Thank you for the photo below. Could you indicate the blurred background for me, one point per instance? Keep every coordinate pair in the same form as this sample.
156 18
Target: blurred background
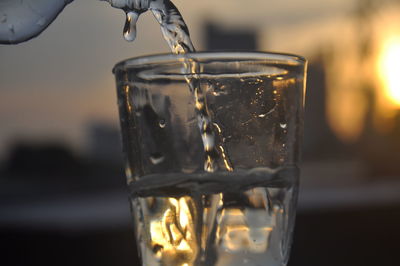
63 199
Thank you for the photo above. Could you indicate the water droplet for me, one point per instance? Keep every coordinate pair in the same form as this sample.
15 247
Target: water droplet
249 140
209 87
162 123
130 26
283 125
253 81
220 91
156 158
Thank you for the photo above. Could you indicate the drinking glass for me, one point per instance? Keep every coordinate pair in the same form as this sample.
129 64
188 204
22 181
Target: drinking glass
212 144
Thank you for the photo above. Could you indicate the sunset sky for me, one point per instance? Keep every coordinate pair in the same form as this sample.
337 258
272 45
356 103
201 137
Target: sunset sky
51 86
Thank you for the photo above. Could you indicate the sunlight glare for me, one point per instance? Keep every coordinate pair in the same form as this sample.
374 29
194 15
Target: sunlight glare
389 69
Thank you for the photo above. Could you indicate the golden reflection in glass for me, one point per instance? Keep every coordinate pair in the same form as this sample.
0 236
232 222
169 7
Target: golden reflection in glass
225 159
172 236
128 102
389 70
247 229
219 229
236 235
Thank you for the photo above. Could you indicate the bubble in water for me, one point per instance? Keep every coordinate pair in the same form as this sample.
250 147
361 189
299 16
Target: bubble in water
162 123
130 26
254 81
249 140
221 90
156 158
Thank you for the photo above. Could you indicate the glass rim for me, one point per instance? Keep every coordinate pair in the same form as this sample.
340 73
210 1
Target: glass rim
271 57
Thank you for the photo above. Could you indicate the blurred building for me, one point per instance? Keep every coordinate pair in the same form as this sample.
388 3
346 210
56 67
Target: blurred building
319 140
39 161
103 141
218 38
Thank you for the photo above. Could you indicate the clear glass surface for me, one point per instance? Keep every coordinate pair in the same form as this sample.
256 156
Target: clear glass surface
212 145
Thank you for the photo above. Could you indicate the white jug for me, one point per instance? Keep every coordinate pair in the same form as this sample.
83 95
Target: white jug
22 20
